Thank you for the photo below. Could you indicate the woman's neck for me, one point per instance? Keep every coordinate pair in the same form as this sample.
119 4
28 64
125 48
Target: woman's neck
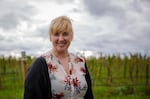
60 54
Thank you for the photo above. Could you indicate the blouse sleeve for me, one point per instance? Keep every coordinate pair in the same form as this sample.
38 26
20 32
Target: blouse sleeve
37 83
89 93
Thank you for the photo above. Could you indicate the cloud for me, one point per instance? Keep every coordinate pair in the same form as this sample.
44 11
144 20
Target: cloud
99 25
57 1
13 12
62 1
29 44
104 8
124 24
125 13
112 43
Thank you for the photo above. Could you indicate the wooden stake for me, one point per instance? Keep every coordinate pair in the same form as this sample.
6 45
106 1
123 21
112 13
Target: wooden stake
24 64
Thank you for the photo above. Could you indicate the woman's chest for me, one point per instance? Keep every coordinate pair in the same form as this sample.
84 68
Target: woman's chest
73 84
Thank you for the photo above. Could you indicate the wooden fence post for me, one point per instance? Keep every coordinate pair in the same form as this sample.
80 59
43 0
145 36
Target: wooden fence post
24 64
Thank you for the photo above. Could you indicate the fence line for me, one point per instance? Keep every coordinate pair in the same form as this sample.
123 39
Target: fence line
104 71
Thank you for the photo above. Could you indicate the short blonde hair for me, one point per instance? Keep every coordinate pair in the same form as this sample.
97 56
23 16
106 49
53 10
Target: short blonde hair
61 24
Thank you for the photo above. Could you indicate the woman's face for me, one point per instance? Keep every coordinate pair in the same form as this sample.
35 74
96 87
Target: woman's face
61 41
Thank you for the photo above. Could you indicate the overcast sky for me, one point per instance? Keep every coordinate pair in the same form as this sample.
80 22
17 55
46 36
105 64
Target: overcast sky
108 26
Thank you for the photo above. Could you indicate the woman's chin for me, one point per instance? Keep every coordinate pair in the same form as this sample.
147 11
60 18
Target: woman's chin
61 49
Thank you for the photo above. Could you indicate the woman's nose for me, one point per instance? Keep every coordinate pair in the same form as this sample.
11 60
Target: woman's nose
61 37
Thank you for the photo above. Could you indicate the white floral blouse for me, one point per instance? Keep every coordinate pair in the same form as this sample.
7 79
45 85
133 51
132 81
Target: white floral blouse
63 86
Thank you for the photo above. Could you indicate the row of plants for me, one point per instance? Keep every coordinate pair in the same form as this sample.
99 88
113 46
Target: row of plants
112 76
115 76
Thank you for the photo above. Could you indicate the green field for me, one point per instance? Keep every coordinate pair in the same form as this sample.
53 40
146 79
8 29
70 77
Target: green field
113 77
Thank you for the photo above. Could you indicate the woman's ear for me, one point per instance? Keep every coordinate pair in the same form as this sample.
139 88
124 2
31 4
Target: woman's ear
71 36
50 38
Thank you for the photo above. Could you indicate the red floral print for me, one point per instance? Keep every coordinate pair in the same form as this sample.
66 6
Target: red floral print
76 82
58 96
51 67
77 59
83 70
62 84
67 81
70 71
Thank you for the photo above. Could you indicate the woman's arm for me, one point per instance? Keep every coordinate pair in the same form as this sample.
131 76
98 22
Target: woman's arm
37 82
89 93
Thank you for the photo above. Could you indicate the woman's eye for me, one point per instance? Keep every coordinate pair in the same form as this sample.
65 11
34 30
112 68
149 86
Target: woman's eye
56 34
65 33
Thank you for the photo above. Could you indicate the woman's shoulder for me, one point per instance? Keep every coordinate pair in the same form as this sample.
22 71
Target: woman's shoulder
38 61
46 54
77 58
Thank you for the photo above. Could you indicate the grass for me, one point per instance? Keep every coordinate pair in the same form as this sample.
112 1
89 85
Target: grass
12 87
100 92
121 86
16 93
105 92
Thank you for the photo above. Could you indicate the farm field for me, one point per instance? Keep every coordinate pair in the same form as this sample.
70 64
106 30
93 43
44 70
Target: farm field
112 77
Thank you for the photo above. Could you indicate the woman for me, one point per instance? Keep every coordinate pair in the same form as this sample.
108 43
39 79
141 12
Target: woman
58 74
